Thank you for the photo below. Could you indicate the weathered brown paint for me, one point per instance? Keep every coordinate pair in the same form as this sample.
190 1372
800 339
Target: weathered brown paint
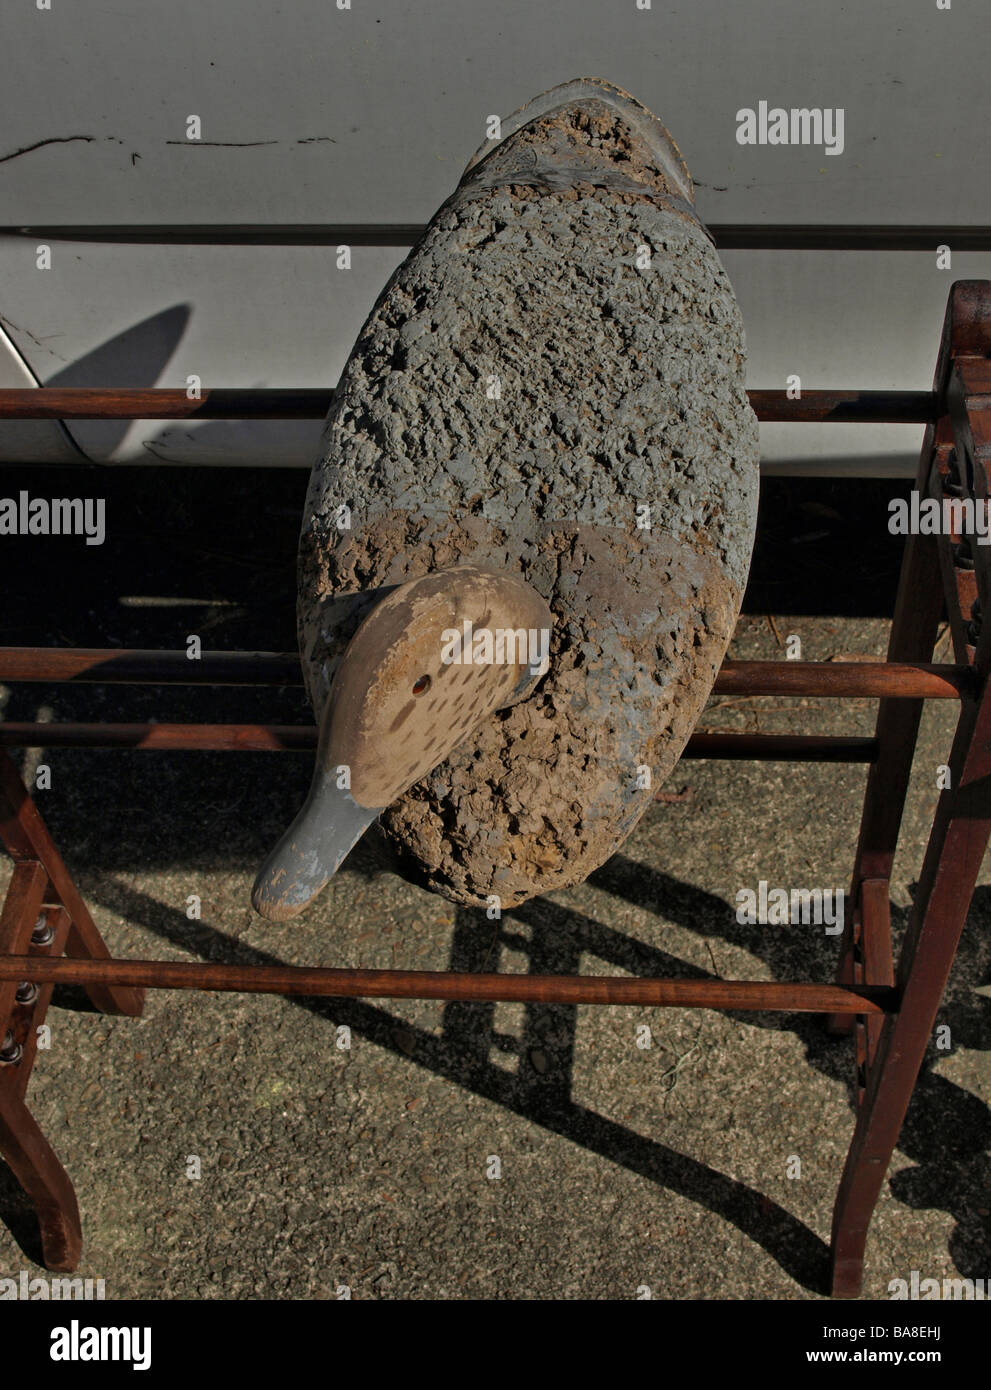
446 984
822 679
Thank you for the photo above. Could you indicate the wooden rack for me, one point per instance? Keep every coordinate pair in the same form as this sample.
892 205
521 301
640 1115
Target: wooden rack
47 936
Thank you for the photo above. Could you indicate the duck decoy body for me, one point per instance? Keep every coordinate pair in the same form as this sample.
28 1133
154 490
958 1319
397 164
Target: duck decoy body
544 420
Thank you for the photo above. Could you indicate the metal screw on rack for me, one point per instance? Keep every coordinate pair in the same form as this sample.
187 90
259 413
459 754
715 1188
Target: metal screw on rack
11 1052
44 932
962 555
974 626
27 992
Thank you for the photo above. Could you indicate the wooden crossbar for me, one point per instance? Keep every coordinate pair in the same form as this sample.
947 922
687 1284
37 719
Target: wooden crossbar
301 403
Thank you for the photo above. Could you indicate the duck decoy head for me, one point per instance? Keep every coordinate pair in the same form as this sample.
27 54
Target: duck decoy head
431 662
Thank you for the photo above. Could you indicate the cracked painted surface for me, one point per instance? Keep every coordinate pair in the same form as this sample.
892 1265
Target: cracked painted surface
50 140
521 388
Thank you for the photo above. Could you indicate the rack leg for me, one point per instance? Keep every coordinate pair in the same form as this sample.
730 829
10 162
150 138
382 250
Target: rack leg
22 1144
42 894
889 1057
35 1166
959 837
914 627
918 607
26 837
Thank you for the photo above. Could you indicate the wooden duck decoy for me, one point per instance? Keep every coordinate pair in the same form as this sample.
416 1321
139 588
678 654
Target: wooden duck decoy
543 425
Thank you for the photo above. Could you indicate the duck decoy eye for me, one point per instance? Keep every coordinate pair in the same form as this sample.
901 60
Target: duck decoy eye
376 741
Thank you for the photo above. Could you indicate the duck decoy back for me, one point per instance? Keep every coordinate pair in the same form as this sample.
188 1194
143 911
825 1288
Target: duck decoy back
549 391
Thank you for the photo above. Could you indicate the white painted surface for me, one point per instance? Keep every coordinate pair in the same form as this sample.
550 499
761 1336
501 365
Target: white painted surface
369 114
285 316
394 95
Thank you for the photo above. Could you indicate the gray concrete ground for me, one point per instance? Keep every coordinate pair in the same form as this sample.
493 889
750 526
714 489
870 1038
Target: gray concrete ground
370 1166
620 1166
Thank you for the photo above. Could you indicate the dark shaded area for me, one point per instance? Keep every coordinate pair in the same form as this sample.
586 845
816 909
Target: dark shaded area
224 539
225 534
228 536
823 548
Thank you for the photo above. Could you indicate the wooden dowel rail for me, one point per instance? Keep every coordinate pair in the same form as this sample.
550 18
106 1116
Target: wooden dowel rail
146 666
165 403
831 680
845 679
460 985
730 236
820 679
162 737
294 738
